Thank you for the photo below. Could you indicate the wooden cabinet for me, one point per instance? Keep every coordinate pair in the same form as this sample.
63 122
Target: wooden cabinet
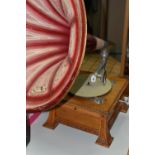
88 116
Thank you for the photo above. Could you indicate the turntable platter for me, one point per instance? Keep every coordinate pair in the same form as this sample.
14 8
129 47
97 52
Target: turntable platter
81 87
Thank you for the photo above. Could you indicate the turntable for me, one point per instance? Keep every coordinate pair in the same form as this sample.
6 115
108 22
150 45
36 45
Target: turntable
56 42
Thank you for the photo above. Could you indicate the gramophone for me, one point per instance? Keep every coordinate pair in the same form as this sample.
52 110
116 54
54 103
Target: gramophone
56 35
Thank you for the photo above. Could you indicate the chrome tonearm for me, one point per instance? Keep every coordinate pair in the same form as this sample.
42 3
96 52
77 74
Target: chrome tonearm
101 70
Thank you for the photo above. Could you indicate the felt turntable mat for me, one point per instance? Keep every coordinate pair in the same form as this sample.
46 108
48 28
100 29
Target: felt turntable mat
81 87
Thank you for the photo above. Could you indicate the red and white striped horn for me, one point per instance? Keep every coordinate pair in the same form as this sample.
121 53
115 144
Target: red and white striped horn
55 46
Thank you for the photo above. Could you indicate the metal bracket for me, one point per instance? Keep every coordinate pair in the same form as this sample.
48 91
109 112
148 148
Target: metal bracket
98 100
125 100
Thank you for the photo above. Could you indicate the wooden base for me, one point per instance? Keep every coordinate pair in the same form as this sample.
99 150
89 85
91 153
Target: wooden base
88 116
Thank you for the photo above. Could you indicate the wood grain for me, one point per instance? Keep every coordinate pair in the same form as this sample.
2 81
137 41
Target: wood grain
88 116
